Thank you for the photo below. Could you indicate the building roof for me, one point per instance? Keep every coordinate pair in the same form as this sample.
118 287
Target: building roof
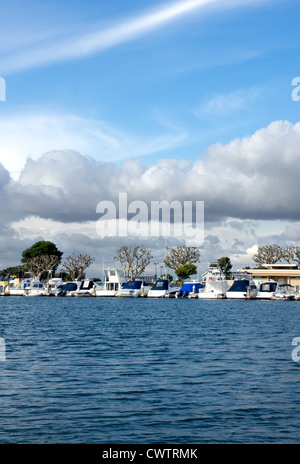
281 266
276 272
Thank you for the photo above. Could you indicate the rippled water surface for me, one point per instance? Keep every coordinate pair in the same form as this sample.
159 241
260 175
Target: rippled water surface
116 371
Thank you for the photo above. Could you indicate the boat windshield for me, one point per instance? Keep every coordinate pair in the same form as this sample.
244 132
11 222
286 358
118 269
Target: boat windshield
161 285
285 288
86 285
239 286
69 287
268 287
133 285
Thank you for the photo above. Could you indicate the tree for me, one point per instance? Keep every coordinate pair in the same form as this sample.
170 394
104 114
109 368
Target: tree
184 272
133 259
76 264
41 248
269 254
296 250
12 271
167 276
40 265
288 254
225 266
181 255
41 257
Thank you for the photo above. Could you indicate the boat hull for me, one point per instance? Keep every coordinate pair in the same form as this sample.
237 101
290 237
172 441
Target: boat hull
284 297
240 295
106 293
17 292
35 293
129 293
211 295
161 294
265 296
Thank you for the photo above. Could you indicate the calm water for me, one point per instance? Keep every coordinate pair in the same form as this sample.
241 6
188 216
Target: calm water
111 371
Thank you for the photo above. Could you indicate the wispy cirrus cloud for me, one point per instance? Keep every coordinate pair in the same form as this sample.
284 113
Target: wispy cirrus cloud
240 100
89 44
26 135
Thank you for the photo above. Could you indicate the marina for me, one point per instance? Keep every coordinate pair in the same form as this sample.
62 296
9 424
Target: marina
213 286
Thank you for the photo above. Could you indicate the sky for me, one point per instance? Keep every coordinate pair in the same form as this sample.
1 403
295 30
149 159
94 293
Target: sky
165 100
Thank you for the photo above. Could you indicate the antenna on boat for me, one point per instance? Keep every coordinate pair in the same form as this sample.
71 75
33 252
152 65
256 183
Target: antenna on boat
166 247
103 275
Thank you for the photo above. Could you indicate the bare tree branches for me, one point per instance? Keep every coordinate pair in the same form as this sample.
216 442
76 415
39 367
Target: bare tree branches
43 263
133 260
181 255
297 254
76 264
271 254
288 254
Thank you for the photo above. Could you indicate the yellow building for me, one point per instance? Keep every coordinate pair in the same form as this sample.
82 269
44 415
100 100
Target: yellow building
282 273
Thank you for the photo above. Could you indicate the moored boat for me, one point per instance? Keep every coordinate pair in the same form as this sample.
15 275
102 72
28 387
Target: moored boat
163 288
4 287
69 288
54 286
267 290
134 289
36 288
285 292
20 288
190 289
113 281
243 287
216 284
28 287
87 288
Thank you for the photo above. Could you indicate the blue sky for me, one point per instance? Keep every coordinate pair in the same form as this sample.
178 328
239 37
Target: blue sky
148 80
176 79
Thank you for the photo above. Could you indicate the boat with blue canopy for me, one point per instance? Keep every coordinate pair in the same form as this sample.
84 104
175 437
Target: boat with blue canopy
189 290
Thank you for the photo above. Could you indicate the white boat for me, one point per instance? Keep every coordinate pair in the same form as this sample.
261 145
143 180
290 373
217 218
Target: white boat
134 289
190 289
163 288
20 288
69 288
243 287
285 292
28 285
267 290
87 288
54 286
216 284
36 288
4 287
113 281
